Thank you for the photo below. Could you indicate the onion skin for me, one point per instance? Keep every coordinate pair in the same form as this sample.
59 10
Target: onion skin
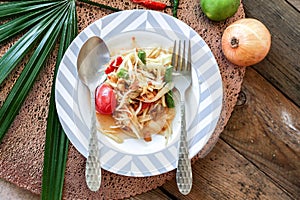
246 42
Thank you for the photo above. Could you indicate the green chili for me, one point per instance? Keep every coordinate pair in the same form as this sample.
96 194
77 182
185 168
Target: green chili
142 56
169 96
168 73
169 99
100 5
175 7
122 73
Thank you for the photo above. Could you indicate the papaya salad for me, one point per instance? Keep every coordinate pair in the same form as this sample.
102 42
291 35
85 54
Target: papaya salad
136 99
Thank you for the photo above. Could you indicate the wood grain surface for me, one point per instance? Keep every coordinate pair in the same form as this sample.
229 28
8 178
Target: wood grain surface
258 154
282 65
265 130
295 3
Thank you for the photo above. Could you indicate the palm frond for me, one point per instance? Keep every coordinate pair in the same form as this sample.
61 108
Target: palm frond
45 22
18 93
56 147
25 21
19 50
9 9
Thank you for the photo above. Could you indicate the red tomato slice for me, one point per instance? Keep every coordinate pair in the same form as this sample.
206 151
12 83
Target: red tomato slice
105 99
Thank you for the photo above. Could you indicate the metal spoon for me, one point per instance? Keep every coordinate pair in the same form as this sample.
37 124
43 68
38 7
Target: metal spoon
93 54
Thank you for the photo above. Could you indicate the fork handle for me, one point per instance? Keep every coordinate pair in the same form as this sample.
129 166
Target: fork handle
184 176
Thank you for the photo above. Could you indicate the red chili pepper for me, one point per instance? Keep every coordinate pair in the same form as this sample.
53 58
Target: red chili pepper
114 65
154 5
117 61
109 69
145 105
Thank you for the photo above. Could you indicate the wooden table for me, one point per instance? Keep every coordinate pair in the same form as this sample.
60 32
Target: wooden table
258 153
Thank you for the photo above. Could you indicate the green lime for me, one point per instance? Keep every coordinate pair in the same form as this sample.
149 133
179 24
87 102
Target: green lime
218 10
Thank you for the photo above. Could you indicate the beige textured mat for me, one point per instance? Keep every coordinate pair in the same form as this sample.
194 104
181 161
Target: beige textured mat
21 150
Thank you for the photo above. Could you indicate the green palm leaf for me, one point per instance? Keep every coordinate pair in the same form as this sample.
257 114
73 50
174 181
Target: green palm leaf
10 9
18 51
56 147
45 23
25 81
23 22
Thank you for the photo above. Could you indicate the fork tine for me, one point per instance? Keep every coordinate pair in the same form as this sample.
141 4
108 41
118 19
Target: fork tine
183 60
174 56
179 57
189 60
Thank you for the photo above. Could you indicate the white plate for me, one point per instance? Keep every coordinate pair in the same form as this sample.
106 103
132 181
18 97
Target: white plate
204 100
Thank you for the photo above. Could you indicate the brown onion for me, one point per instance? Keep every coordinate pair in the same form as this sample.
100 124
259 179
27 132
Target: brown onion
246 42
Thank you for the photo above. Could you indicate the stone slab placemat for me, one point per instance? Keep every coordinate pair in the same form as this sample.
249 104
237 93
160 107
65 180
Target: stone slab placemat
22 148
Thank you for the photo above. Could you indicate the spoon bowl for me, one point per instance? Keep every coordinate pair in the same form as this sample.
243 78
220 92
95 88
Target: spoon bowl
92 56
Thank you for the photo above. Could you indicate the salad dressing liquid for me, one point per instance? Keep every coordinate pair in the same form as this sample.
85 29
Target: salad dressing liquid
106 122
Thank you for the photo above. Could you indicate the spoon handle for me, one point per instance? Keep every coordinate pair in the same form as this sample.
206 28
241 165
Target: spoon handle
93 168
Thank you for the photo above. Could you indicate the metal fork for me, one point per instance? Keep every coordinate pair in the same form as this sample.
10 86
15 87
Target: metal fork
182 79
